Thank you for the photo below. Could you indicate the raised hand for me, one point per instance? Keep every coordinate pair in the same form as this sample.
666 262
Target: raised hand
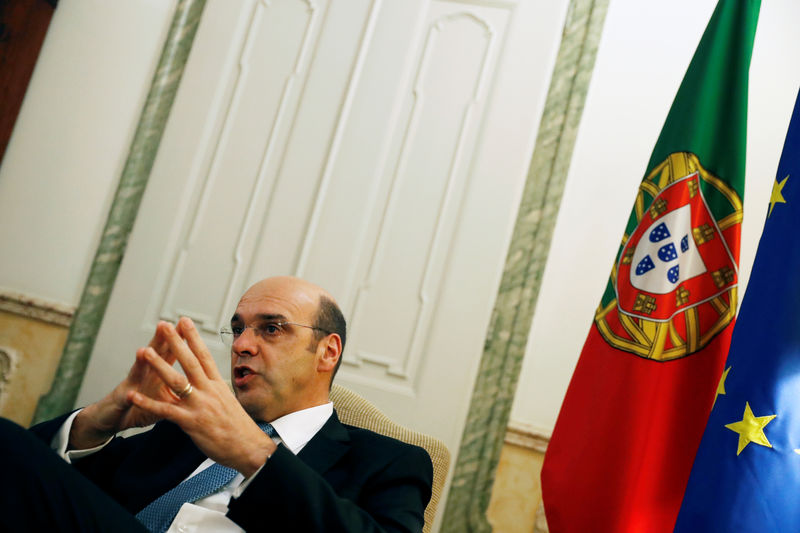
210 413
99 421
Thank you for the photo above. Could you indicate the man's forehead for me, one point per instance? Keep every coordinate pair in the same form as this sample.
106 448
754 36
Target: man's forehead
288 298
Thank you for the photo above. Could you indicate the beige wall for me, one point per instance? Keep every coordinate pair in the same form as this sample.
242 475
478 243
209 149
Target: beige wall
34 348
516 502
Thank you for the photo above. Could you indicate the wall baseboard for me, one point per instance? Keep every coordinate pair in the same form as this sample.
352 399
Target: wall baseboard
37 308
526 436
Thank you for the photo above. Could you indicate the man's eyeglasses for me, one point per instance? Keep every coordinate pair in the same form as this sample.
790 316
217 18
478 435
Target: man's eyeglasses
268 331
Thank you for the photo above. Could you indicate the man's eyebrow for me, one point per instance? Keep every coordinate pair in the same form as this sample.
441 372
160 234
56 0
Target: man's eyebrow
268 316
264 317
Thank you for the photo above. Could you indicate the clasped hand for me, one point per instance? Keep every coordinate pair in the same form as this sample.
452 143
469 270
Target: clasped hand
210 414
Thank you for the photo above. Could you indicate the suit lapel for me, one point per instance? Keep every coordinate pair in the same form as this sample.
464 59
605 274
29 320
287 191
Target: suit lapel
327 446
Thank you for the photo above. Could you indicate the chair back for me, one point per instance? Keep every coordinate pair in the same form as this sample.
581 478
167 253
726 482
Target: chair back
355 410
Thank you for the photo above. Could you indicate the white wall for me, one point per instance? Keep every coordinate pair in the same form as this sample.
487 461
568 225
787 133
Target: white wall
71 139
645 49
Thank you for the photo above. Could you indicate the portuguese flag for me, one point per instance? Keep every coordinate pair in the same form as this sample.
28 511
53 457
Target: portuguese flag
634 413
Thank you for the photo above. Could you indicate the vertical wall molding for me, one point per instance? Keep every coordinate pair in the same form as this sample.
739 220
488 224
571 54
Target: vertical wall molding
124 207
510 324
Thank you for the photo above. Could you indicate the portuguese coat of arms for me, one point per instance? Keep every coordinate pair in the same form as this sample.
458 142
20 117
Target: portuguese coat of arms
674 285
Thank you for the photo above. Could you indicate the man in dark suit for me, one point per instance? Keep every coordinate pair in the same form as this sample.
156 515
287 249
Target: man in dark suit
304 472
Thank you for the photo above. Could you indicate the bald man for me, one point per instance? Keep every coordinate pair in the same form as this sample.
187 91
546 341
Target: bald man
275 447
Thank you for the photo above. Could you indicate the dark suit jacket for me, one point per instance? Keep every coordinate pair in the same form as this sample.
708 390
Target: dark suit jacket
344 479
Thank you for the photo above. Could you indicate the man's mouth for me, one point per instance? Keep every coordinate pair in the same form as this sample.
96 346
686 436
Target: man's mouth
241 375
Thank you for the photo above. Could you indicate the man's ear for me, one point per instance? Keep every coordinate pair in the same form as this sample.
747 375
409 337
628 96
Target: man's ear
330 350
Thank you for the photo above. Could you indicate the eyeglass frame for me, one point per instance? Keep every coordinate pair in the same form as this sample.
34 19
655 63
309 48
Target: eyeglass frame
228 330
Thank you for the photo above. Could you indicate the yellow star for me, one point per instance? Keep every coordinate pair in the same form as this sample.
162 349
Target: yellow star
751 429
721 385
777 195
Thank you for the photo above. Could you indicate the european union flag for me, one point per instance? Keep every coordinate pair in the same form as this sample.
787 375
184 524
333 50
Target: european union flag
746 475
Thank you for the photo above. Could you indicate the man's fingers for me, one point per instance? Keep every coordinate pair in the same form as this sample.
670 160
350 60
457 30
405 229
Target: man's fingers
187 330
154 407
160 345
186 357
171 377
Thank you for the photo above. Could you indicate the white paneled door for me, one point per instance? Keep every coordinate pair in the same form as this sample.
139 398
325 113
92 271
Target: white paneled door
375 147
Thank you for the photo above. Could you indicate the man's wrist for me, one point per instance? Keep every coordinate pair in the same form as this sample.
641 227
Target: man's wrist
258 458
84 433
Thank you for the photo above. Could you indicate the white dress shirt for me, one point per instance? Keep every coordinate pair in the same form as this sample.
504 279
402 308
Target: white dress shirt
208 514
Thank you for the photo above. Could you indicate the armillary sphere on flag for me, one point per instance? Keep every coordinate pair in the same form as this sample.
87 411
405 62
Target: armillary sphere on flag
674 285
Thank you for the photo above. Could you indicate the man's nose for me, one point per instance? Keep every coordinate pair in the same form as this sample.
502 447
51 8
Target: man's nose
246 343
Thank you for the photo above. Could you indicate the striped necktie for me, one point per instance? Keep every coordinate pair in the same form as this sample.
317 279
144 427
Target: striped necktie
158 516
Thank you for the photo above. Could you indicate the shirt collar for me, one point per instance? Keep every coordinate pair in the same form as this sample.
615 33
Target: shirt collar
296 429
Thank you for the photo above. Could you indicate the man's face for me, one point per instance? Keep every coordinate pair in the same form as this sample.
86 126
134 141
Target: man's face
274 366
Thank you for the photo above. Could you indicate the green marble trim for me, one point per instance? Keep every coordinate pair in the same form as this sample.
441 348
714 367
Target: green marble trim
507 336
103 273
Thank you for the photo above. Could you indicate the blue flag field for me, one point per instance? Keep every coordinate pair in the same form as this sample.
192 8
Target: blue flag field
746 475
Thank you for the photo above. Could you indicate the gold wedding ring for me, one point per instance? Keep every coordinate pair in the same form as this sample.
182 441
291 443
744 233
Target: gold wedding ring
187 390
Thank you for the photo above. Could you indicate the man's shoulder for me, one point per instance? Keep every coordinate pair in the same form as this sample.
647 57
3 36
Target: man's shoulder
359 433
390 456
369 442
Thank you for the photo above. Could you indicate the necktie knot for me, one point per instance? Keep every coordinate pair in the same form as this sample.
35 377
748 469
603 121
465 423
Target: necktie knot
267 428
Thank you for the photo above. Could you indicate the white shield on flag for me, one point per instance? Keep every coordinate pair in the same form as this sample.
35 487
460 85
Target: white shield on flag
667 254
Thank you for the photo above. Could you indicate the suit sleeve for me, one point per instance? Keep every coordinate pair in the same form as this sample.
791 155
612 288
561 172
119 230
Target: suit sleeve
47 430
288 495
99 467
135 470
